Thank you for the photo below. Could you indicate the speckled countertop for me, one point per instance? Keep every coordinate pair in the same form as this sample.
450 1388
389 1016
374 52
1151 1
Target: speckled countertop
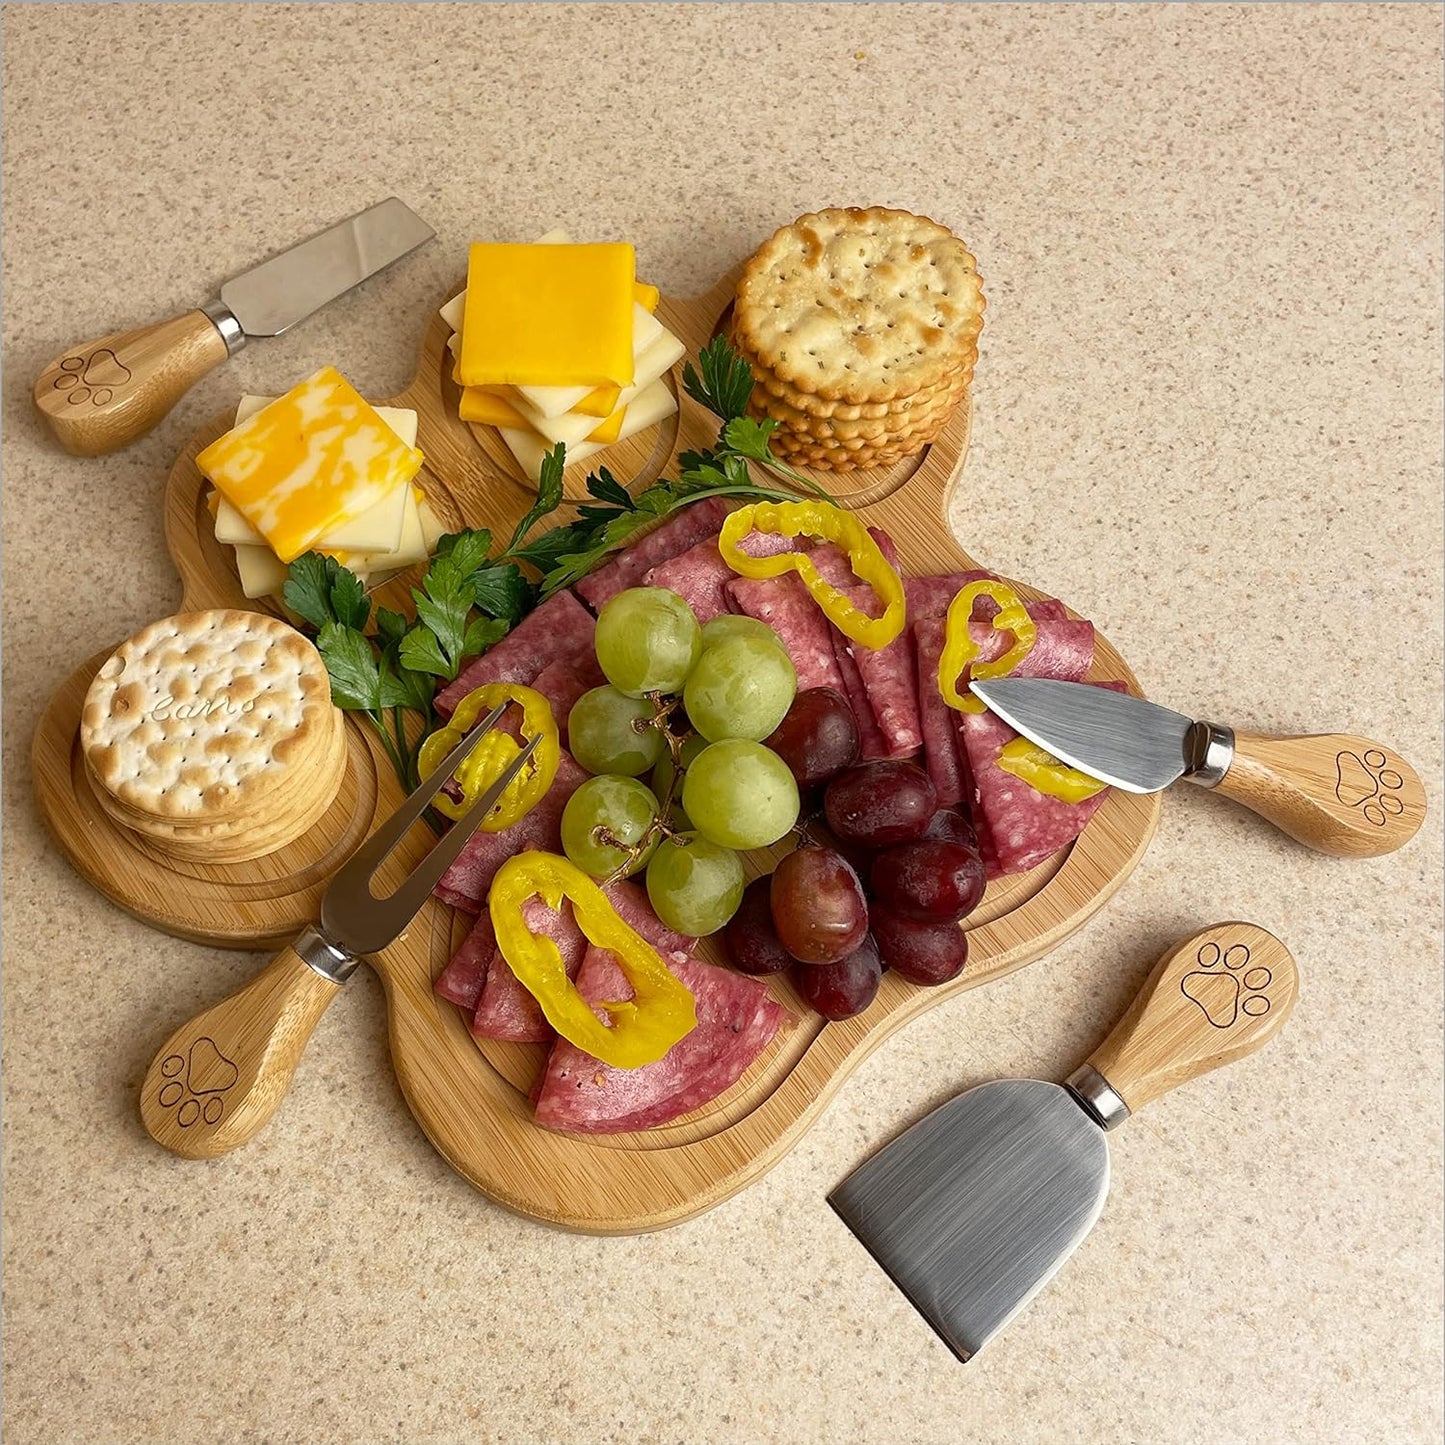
1208 414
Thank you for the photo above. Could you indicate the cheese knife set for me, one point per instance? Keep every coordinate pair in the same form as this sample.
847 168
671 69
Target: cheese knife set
972 1209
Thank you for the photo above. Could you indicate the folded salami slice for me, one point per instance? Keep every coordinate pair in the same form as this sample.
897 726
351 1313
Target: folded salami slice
673 537
560 630
935 717
562 684
930 596
889 676
786 606
736 1020
462 980
1024 826
871 742
506 1010
464 885
1062 649
699 576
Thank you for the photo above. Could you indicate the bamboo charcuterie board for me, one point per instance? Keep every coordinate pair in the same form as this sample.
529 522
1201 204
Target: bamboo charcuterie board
471 1098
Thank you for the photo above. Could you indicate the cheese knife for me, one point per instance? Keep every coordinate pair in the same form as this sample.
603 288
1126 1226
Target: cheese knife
1334 792
973 1209
104 394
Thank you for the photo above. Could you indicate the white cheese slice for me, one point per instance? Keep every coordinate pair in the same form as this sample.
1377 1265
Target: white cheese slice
263 573
233 529
651 405
660 357
410 548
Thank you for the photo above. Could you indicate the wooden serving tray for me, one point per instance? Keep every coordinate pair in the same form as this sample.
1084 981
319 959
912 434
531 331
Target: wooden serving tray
471 1098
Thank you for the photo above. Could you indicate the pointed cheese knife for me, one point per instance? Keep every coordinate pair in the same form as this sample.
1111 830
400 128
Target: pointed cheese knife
102 395
1334 792
973 1209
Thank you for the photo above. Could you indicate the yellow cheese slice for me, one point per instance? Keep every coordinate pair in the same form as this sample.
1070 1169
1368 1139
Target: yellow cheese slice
314 458
548 315
554 401
603 401
481 403
652 404
646 296
609 430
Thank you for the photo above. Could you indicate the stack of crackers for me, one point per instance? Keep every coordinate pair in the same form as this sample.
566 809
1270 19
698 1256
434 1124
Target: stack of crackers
861 327
213 736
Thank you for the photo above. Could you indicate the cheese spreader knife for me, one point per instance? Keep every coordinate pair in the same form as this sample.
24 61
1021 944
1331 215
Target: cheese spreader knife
102 395
973 1209
1334 792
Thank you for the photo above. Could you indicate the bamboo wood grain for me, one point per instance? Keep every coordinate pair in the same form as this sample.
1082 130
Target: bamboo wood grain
1212 999
470 1098
103 394
1335 792
216 1082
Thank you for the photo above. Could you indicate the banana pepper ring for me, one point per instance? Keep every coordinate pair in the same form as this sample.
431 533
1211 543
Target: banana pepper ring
643 1028
844 530
959 648
489 759
1044 773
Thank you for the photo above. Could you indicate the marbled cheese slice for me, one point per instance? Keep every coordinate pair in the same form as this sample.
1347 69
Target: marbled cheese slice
311 460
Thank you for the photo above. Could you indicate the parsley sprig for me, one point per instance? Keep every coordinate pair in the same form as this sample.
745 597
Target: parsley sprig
467 600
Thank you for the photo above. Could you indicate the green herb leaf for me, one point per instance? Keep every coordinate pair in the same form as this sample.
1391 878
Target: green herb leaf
308 588
726 383
749 436
481 633
502 591
401 687
606 488
421 652
467 549
355 678
390 627
549 495
447 620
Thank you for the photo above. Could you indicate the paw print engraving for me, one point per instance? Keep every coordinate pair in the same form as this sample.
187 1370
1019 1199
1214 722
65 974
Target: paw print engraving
91 378
1367 783
1225 986
194 1084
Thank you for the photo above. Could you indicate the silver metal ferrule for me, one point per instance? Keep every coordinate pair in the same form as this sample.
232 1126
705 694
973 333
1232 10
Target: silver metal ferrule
317 951
225 322
1211 750
1097 1097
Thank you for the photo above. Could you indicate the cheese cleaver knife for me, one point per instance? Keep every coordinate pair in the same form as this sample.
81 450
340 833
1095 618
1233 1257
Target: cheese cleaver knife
973 1209
102 395
1334 792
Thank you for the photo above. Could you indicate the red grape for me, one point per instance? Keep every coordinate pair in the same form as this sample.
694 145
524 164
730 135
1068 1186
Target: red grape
879 804
818 738
840 990
752 942
818 906
925 953
950 826
929 881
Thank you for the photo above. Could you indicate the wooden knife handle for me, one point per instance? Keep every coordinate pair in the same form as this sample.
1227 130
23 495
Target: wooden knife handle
102 395
218 1079
1215 998
1334 792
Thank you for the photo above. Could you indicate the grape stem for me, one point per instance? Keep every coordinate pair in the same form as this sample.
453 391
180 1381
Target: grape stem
663 708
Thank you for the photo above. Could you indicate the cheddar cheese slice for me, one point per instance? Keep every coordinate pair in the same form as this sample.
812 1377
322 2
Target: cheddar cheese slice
312 459
548 315
651 405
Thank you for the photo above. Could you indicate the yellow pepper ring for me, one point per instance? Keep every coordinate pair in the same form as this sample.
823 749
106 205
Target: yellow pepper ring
959 648
1045 773
489 759
844 530
662 1009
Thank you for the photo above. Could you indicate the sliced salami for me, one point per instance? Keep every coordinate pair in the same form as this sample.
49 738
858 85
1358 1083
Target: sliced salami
930 596
1024 826
889 676
462 980
560 630
1064 650
699 576
871 742
736 1020
671 539
786 606
940 746
507 1010
562 684
464 885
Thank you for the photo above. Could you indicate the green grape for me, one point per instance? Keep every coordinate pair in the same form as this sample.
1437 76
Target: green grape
694 885
647 640
740 794
732 625
601 735
662 773
742 687
624 806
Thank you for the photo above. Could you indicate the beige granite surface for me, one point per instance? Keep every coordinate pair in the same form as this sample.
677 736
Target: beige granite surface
1208 413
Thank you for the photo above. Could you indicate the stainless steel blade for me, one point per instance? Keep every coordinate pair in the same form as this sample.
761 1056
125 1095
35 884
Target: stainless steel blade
973 1209
286 289
1135 745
